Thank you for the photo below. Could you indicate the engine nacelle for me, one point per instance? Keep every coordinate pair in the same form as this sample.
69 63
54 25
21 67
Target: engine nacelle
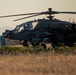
62 26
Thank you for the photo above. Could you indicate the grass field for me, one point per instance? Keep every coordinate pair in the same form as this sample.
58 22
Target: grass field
18 60
40 64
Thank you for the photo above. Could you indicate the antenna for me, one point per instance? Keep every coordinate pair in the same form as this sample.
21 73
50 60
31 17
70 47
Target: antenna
73 21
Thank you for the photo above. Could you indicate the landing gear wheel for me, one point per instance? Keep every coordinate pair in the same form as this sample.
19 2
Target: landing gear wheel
25 43
43 45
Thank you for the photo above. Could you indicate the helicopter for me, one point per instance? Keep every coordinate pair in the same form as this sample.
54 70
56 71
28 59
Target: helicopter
49 30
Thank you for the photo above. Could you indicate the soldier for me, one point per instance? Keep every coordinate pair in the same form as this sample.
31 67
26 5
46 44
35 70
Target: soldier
3 39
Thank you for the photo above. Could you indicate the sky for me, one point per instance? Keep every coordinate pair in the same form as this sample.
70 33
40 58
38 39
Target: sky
9 7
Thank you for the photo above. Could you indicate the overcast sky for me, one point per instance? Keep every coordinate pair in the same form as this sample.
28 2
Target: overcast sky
8 7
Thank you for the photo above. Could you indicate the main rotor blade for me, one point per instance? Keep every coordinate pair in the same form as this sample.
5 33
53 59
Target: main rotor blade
27 17
65 12
18 15
49 12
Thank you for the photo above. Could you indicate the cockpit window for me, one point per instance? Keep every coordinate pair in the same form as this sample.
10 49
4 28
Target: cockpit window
21 28
30 25
34 25
18 29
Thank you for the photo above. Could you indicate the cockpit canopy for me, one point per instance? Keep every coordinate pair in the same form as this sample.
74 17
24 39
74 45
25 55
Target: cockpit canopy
25 26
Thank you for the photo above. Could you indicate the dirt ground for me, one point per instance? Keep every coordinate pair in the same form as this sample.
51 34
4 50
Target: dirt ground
40 64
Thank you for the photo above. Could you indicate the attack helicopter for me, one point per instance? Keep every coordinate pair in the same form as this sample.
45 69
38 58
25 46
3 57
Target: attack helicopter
48 30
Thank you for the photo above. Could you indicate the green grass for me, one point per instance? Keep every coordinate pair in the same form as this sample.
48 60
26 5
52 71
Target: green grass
37 49
20 50
65 50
